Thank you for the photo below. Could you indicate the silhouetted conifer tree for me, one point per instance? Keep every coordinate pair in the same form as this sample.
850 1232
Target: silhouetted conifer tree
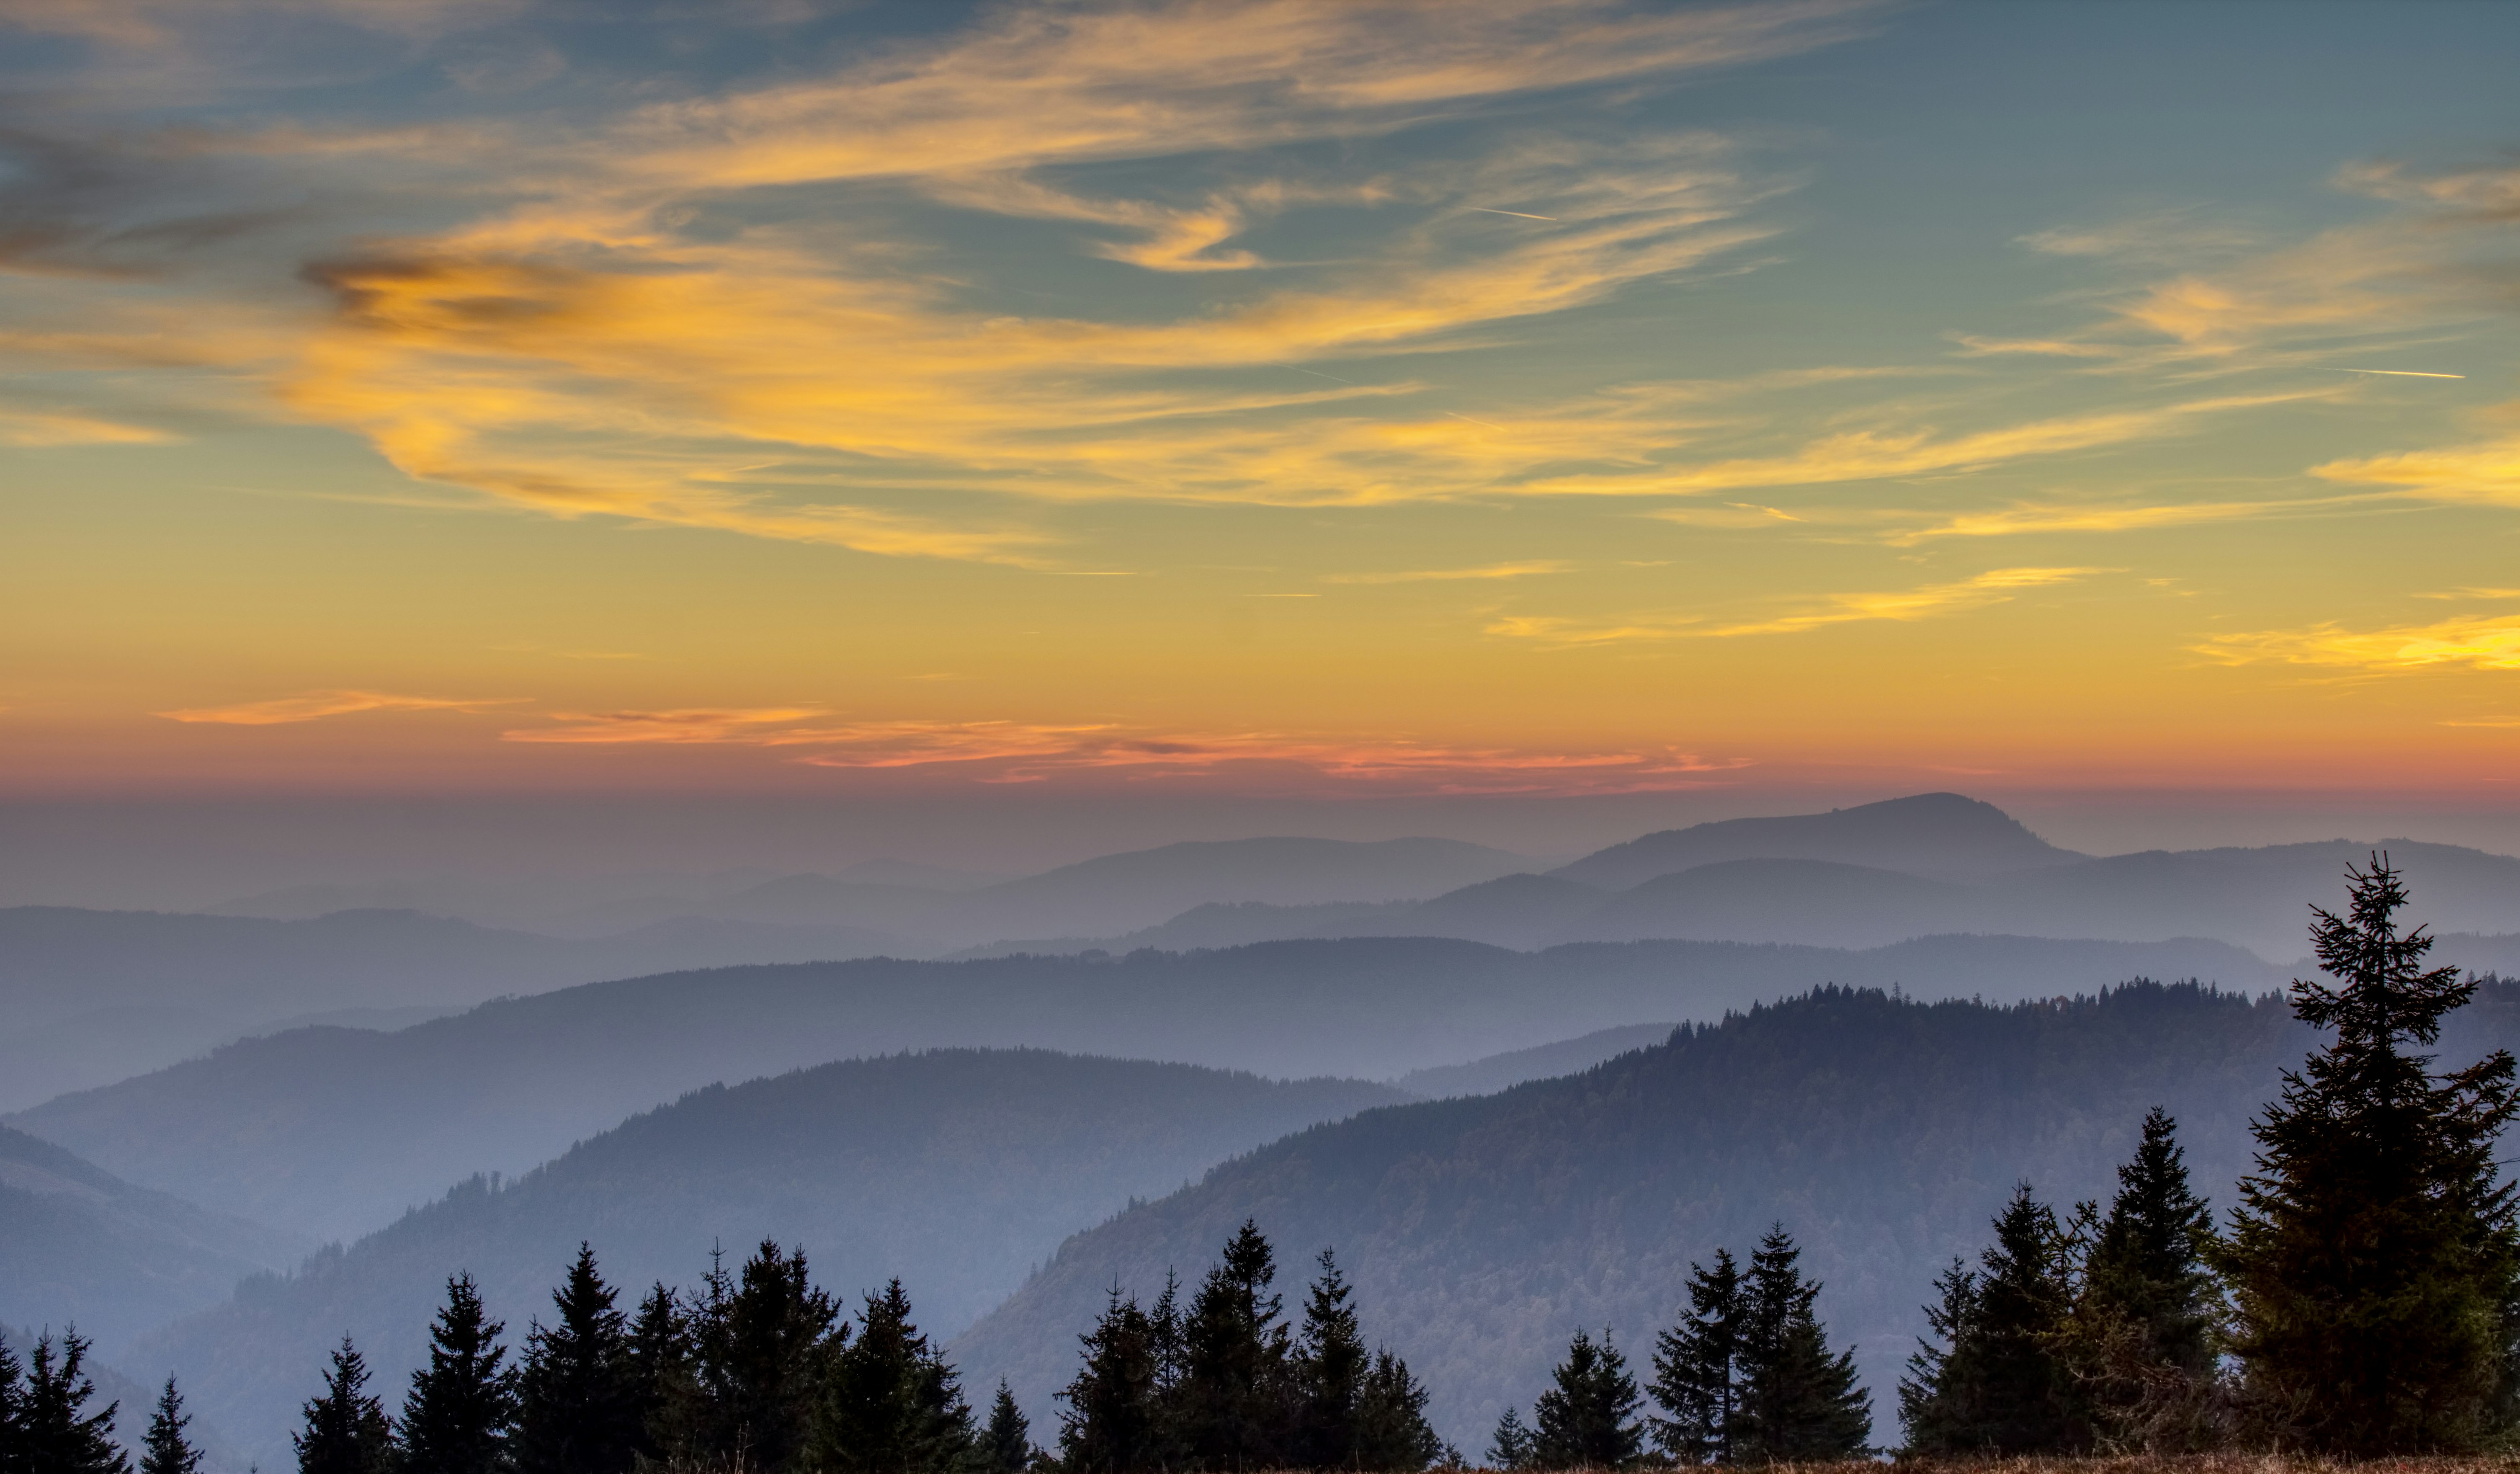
579 1404
1005 1446
1586 1418
1234 1396
462 1408
2374 1261
1998 1385
54 1433
1329 1366
1797 1403
1392 1434
664 1373
1511 1446
346 1430
1109 1423
1694 1368
2142 1335
757 1343
13 1395
890 1403
165 1450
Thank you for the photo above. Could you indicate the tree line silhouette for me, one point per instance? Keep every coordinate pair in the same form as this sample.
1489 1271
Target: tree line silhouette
2364 1299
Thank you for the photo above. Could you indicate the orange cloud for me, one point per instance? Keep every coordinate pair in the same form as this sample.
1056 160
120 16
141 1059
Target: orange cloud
1005 751
316 705
1997 586
2485 472
2477 642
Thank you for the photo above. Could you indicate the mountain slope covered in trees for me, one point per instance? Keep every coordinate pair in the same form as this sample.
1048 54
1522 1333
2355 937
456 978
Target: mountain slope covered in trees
955 1170
80 1246
1883 1133
335 1131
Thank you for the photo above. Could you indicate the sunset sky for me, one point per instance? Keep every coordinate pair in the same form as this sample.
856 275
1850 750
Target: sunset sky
1558 398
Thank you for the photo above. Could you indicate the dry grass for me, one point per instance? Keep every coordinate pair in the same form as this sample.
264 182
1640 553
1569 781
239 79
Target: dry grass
2189 1464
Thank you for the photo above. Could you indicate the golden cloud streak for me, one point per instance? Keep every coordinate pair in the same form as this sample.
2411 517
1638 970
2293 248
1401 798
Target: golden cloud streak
2477 642
2486 472
317 705
1533 569
33 430
1005 751
2022 520
1994 586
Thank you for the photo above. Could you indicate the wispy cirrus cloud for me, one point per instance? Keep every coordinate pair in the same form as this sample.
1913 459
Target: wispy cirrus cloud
1010 751
315 706
1926 602
1532 568
2480 471
620 330
2475 642
2028 518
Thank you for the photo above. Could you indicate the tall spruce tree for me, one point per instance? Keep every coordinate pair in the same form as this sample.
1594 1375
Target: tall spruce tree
346 1430
758 1341
579 1408
890 1402
1233 1397
664 1375
1511 1446
56 1433
1586 1418
1693 1366
1110 1424
1331 1366
13 1407
462 1408
1998 1384
2141 1339
165 1449
1392 1434
1797 1403
2374 1262
1005 1445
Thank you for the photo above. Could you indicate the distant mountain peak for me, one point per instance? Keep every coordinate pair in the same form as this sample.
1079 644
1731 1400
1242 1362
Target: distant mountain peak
1944 835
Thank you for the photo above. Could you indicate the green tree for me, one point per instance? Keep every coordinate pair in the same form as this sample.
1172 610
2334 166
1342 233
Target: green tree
1510 1447
1110 1422
462 1408
757 1342
1392 1434
1797 1403
346 1430
2373 1260
579 1404
1694 1366
1233 1395
1005 1445
664 1373
1586 1418
1330 1366
890 1402
2142 1334
1998 1384
165 1450
56 1433
13 1402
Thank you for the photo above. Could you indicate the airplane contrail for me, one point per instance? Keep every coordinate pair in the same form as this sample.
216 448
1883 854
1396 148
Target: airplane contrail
2398 372
1474 422
1318 373
1517 214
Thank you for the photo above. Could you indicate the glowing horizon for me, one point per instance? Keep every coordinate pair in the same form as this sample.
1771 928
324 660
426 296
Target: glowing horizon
1557 397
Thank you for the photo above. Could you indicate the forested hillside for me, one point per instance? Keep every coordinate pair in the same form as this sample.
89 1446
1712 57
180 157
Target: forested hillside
333 1132
1883 1133
956 1170
80 1246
